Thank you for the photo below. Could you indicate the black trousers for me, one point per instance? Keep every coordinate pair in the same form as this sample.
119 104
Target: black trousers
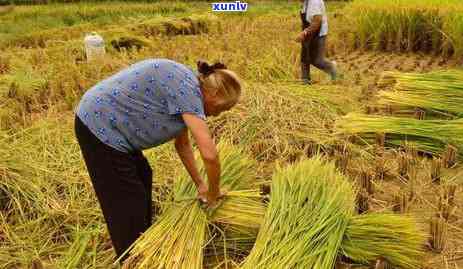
123 186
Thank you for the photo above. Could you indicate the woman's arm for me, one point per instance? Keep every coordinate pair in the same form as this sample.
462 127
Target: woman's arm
310 31
314 27
209 154
185 152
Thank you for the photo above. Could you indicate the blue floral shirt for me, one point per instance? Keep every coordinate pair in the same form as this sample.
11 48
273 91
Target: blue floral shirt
140 107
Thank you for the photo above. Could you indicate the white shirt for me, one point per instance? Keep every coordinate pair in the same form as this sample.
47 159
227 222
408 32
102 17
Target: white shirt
313 8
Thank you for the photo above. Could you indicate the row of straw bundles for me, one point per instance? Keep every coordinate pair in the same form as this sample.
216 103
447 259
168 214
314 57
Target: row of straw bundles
439 92
407 25
430 136
181 233
310 222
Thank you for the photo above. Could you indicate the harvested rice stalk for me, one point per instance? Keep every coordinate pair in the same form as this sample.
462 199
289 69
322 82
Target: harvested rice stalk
380 167
447 202
438 234
429 136
178 238
308 131
449 157
412 174
401 203
310 206
382 264
342 156
403 162
396 239
440 93
366 181
436 170
362 201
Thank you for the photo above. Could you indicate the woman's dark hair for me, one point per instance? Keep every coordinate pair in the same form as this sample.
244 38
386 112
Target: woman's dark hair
206 69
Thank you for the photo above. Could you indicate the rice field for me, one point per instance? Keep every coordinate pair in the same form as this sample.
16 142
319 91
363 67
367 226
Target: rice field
359 173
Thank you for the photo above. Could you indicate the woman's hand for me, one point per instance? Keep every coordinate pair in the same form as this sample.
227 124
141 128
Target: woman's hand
300 37
213 198
203 193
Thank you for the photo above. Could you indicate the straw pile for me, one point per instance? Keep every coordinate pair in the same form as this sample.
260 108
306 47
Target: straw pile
48 211
438 93
312 113
180 235
192 25
309 223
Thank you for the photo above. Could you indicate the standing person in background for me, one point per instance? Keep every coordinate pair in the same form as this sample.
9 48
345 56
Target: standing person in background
313 39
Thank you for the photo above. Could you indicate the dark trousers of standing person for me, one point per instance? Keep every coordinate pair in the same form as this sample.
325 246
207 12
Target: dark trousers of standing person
313 53
123 186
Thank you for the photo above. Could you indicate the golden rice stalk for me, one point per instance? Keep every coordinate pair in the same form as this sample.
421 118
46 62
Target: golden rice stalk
436 170
450 156
362 202
401 203
366 181
438 234
180 235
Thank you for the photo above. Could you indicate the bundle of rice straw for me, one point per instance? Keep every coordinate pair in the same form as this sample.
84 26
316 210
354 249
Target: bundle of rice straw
180 235
309 223
309 210
438 93
395 238
430 136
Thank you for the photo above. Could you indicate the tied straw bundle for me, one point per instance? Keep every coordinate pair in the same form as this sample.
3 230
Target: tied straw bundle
394 238
429 136
181 233
439 93
309 223
310 207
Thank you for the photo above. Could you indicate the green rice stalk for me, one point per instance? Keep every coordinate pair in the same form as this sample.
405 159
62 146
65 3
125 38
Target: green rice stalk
430 136
440 93
310 206
397 239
